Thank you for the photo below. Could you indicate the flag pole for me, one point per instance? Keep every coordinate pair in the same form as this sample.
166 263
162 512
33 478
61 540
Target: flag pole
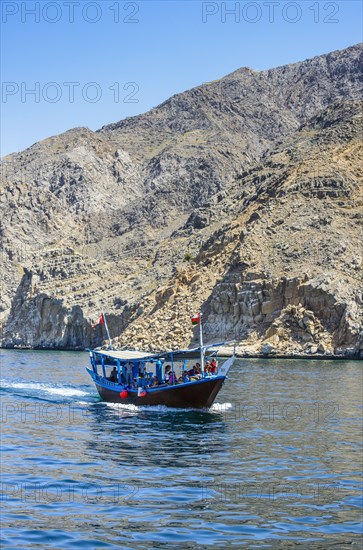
106 327
201 343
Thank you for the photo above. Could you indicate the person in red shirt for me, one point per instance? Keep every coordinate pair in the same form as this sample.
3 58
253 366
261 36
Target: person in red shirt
213 366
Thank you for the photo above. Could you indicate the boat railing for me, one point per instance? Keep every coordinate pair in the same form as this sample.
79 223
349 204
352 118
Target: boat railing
105 381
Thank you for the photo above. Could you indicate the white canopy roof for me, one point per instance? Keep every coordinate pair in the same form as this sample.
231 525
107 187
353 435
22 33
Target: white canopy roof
134 355
125 355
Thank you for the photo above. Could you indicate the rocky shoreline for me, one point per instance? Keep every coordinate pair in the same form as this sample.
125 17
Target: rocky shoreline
227 353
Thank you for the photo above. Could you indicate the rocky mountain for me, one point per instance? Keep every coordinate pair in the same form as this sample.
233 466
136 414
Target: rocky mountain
241 198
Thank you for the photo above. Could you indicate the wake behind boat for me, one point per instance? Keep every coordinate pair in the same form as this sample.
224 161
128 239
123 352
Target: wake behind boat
183 379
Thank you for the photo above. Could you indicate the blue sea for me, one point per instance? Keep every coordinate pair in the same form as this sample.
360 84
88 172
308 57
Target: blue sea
274 464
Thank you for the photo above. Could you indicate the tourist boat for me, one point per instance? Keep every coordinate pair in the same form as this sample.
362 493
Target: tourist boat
146 384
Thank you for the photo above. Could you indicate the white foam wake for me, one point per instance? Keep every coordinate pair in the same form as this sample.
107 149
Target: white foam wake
123 407
55 390
220 407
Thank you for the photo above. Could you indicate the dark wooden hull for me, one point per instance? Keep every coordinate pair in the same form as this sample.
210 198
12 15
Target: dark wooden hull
193 395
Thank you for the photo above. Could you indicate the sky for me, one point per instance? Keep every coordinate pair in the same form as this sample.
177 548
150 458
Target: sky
72 63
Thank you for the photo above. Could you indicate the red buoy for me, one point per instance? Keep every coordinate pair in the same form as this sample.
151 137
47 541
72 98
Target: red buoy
124 394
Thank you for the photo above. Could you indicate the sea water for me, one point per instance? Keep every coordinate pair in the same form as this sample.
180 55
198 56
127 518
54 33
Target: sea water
274 463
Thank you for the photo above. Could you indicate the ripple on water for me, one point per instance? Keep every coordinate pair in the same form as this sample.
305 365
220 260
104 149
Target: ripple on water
91 474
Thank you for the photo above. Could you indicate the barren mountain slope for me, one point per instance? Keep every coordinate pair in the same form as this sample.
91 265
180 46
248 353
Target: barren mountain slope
250 175
284 275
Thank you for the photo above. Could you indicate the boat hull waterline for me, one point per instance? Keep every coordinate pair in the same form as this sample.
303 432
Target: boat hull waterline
199 395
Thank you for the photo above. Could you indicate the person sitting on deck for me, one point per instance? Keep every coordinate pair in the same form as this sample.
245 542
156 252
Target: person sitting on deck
208 369
167 372
172 379
155 381
195 373
184 377
113 375
198 372
191 372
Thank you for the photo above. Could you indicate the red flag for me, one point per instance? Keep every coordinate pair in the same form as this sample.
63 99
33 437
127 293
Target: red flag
101 321
196 319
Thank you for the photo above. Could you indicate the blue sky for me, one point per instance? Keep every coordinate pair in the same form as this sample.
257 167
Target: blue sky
93 63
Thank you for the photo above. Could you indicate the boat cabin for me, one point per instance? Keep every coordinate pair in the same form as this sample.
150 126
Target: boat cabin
133 369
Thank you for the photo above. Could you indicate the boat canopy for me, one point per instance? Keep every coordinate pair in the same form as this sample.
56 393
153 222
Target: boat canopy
125 355
134 355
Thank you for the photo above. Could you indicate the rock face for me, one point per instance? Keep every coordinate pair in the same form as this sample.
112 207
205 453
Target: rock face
289 315
240 198
37 320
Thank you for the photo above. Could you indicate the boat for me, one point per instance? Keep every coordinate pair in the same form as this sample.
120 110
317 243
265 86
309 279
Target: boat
171 378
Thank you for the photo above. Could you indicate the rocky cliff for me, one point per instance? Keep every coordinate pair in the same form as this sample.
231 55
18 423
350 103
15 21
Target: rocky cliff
240 198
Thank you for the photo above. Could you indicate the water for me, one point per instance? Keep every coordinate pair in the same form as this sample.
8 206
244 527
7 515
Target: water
274 464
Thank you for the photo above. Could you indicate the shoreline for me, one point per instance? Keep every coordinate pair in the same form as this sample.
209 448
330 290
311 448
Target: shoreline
225 353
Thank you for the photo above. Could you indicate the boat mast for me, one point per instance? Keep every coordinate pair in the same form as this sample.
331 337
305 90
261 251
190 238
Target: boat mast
106 327
201 343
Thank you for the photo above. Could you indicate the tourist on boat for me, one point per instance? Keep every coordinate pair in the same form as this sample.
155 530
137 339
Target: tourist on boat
185 376
195 376
167 372
191 372
129 366
155 381
213 366
172 378
113 375
198 372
